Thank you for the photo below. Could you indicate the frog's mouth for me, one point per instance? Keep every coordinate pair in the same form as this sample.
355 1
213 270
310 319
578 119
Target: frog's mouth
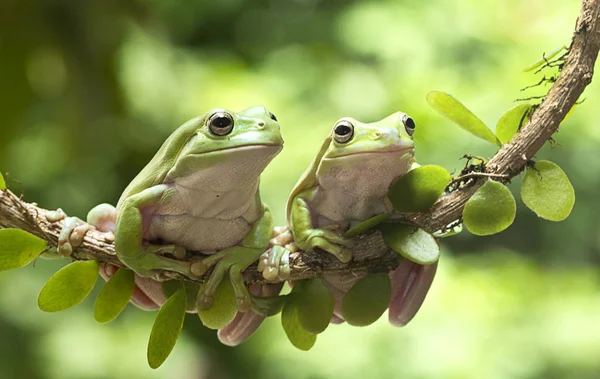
389 151
254 146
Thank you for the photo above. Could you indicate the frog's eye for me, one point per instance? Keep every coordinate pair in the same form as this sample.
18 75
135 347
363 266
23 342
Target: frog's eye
220 123
409 124
343 131
272 116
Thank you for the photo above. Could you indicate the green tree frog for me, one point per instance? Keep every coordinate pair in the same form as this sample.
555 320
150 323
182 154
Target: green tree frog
199 193
347 183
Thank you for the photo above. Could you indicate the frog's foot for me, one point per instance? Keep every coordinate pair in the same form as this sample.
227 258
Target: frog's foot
332 243
410 283
151 260
71 235
233 260
275 263
178 252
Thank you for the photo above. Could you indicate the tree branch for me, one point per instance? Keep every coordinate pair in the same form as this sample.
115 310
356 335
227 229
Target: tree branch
370 252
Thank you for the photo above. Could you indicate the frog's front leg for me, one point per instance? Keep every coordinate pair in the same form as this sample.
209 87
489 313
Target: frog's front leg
132 220
235 260
307 237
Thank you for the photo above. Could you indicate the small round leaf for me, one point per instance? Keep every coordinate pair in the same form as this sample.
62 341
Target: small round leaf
68 286
456 112
315 306
114 296
411 242
510 122
18 248
290 321
547 191
419 189
366 301
490 210
166 329
223 309
366 225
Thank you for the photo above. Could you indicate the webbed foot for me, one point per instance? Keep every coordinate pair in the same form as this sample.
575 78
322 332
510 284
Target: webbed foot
330 241
275 263
233 260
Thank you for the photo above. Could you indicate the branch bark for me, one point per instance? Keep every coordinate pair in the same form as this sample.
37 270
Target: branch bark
371 254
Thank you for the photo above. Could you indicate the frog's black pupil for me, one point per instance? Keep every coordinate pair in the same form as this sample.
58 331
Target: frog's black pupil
342 130
409 123
221 122
272 116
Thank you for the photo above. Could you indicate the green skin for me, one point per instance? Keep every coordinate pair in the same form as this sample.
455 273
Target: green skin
347 183
200 193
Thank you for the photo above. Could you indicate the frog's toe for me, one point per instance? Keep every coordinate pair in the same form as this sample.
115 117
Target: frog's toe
274 263
410 284
72 235
55 216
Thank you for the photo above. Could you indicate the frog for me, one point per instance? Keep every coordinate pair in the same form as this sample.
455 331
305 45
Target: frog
197 197
347 183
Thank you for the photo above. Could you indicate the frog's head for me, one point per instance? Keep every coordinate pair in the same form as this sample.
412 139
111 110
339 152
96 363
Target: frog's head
367 155
392 135
222 139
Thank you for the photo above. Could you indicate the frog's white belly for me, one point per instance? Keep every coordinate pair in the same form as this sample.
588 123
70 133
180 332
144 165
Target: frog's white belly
204 219
354 188
198 234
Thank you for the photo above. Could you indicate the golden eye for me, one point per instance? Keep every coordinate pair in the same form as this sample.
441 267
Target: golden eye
220 123
343 131
409 124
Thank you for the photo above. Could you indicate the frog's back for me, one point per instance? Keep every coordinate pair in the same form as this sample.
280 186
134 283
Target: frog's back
156 170
309 177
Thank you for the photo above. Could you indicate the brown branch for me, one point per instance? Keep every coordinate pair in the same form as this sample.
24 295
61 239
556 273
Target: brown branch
371 254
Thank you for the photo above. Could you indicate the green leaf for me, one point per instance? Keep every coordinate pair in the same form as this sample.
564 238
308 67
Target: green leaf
315 305
114 296
543 61
169 287
69 286
456 112
290 321
223 309
411 242
510 122
18 248
366 225
547 191
367 300
490 210
166 329
268 306
2 183
419 189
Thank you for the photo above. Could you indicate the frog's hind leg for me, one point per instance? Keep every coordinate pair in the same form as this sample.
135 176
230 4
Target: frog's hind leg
245 324
132 223
410 284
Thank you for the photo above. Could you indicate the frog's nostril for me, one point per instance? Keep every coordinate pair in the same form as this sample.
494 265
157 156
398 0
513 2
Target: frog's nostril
261 124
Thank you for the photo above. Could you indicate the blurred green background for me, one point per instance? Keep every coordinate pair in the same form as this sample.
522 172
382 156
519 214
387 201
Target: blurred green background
90 89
